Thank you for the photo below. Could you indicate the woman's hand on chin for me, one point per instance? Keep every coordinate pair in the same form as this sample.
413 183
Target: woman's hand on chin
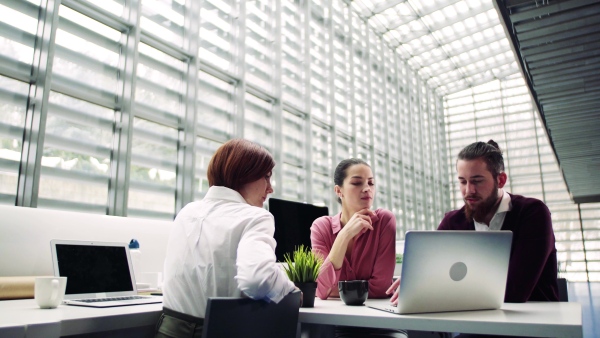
359 223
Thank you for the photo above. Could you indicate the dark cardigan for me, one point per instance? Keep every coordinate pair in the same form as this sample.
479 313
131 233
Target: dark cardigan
532 270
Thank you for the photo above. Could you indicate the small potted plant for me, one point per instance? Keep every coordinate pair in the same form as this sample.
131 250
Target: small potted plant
398 268
302 268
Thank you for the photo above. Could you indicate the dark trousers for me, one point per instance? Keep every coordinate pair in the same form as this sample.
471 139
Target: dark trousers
360 332
473 335
173 324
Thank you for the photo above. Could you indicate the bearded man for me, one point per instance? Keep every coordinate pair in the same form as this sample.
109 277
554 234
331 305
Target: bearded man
532 269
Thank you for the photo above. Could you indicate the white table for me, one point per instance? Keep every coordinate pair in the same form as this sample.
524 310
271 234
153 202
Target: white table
23 318
537 319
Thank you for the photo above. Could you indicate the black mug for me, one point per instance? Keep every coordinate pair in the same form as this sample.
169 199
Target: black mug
353 292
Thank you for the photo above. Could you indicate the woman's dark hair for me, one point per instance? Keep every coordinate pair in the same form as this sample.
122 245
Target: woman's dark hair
490 152
341 171
238 162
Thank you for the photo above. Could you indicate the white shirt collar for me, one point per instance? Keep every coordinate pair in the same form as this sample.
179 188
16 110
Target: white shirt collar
223 193
498 219
505 204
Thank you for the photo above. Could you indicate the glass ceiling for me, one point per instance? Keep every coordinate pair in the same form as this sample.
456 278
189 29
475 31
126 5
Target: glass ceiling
452 44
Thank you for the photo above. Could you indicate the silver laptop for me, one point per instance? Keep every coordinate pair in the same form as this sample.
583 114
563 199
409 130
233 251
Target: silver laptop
99 274
452 271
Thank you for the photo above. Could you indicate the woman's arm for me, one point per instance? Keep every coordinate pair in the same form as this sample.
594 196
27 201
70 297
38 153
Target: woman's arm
334 253
258 274
321 238
358 224
385 260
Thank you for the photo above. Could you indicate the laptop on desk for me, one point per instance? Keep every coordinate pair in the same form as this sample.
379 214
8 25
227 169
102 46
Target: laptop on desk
99 274
452 271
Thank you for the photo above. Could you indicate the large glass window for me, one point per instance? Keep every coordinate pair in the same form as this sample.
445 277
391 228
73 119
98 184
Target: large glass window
13 100
216 107
319 35
294 157
293 54
219 30
159 109
77 157
18 31
322 168
260 41
258 123
342 88
164 18
80 114
361 69
112 106
205 148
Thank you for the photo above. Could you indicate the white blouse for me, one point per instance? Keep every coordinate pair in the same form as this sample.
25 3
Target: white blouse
221 246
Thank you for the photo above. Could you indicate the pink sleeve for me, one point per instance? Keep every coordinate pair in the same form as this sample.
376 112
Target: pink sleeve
385 259
321 238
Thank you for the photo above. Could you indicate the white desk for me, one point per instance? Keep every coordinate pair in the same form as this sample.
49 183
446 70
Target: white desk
22 318
537 319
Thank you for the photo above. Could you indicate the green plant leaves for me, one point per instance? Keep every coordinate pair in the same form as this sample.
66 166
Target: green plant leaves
303 266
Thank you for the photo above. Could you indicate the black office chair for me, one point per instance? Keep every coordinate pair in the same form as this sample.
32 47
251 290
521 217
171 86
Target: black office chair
563 290
232 317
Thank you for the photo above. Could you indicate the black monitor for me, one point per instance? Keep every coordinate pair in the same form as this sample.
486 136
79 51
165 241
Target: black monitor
292 224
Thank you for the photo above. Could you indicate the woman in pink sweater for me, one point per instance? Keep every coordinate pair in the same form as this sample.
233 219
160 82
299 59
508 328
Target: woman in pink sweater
357 243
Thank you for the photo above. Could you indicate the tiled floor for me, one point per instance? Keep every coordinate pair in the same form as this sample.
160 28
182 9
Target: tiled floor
588 294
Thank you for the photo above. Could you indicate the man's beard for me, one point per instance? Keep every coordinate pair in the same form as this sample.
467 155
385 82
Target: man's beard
485 206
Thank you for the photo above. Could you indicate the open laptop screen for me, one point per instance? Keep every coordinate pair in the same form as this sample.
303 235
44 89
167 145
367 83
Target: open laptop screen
451 270
94 269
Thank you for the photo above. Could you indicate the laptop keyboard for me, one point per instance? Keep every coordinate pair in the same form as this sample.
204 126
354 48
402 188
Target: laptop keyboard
111 299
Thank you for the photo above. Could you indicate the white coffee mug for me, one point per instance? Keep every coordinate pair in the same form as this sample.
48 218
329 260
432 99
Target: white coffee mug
154 279
49 291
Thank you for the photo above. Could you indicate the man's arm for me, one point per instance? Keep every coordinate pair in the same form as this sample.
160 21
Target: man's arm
533 243
456 220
